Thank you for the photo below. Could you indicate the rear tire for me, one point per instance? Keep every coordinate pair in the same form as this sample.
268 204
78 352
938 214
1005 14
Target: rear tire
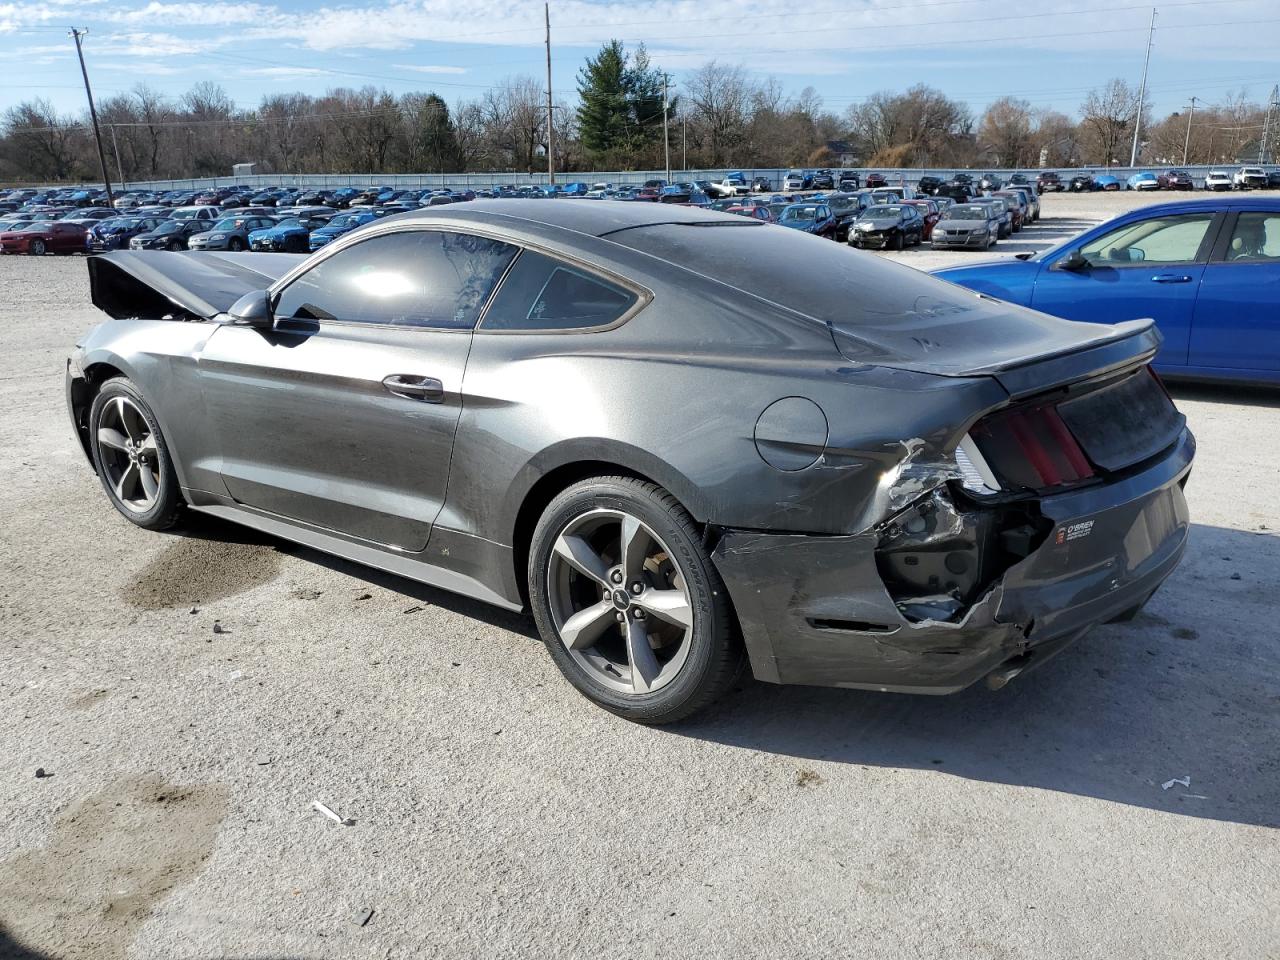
132 458
618 547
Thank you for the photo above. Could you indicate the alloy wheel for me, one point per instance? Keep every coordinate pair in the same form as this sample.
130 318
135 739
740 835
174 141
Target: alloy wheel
128 454
37 248
619 601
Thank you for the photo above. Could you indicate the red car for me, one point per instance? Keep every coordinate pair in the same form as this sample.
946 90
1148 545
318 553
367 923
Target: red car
876 180
755 211
45 236
931 213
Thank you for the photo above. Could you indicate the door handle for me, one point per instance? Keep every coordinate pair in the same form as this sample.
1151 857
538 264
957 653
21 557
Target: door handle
1170 278
426 389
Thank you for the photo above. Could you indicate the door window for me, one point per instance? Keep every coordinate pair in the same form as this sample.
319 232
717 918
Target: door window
1255 239
420 278
1173 239
541 293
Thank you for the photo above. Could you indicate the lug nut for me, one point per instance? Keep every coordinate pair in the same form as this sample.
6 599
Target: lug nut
637 587
639 614
621 616
617 576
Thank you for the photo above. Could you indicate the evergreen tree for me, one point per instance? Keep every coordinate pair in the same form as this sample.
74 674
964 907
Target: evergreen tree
602 88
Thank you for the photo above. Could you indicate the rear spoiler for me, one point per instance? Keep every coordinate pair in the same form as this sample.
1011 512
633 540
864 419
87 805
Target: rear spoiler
156 284
1135 343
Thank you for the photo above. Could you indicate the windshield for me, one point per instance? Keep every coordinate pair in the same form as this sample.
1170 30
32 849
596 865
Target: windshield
230 223
35 226
800 213
344 222
289 222
966 211
881 213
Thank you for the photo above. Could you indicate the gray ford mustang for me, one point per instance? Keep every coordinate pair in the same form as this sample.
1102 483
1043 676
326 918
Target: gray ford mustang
684 440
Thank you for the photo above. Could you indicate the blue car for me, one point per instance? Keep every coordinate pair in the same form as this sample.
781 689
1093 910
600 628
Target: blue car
288 236
343 223
1142 181
1105 181
1207 272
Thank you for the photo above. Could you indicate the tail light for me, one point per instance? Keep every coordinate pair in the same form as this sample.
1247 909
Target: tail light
1030 447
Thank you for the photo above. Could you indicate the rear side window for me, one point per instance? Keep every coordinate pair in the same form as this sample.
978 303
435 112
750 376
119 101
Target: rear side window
542 293
1255 239
421 278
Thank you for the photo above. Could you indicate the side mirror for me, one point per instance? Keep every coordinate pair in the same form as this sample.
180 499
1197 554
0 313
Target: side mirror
254 310
1074 262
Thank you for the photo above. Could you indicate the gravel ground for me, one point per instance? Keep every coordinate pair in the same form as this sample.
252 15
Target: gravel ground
497 814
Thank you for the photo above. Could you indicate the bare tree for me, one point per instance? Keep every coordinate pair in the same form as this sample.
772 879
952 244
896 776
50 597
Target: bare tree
1107 118
1006 131
719 99
40 140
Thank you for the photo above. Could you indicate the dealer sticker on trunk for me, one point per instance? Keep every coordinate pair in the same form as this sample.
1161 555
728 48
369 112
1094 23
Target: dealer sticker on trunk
1073 531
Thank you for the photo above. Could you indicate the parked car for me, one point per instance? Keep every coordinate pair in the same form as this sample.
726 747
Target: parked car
967 225
1050 182
1206 271
989 182
845 208
929 185
848 182
1175 180
197 212
340 225
797 180
230 233
289 235
1082 183
90 214
910 429
1144 180
38 237
823 180
876 180
1250 178
115 234
812 218
886 226
1003 214
1218 180
960 188
1105 181
1273 180
1022 180
1019 209
760 212
929 214
1032 213
169 234
761 185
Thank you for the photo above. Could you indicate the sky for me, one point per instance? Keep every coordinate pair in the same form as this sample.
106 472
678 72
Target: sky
1049 52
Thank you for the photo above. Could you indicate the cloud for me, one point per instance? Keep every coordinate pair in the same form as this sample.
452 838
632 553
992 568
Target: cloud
139 66
429 68
283 73
195 14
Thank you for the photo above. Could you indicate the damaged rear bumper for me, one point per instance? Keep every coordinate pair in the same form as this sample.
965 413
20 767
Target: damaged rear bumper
815 609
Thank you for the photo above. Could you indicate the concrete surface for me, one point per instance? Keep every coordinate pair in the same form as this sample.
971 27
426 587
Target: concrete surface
498 814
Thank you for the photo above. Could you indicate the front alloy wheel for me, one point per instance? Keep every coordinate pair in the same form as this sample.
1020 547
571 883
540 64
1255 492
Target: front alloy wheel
131 457
628 602
37 248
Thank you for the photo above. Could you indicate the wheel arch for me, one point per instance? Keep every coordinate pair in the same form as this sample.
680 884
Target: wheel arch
557 469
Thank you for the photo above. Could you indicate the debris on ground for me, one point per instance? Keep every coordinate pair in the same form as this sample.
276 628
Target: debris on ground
41 774
344 821
307 594
218 627
1235 576
415 610
808 778
1184 781
365 596
362 916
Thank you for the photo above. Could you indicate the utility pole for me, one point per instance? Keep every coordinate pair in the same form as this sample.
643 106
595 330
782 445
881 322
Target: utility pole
684 144
666 138
1142 93
119 167
551 157
1266 125
1186 146
93 115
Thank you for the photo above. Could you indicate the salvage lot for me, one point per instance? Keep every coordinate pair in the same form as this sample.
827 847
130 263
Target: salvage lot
498 814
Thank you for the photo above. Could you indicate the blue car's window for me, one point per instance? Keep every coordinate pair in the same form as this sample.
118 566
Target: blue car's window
541 293
421 278
1256 239
1172 239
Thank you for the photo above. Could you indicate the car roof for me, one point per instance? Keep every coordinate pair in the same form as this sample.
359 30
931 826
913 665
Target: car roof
595 219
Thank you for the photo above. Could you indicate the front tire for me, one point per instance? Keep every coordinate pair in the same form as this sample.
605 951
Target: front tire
628 602
36 248
174 246
131 457
235 245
